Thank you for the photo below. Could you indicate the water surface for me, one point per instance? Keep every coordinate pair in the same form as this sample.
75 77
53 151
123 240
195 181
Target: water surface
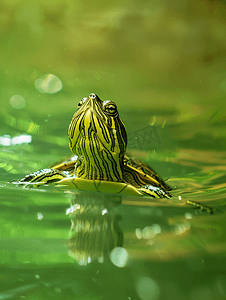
163 65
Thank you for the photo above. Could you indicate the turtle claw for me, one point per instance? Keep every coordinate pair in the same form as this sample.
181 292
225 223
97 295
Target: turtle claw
153 191
201 206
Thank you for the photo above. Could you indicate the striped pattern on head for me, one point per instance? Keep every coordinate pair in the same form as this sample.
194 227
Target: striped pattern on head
98 137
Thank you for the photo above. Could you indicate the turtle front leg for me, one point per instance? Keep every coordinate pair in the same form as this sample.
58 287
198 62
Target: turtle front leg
41 177
53 174
156 192
153 191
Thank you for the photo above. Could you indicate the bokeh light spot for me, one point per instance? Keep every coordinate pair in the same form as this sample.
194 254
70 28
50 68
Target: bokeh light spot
179 228
147 289
151 231
119 257
139 233
5 140
48 84
148 232
101 260
156 228
40 216
17 101
22 139
188 216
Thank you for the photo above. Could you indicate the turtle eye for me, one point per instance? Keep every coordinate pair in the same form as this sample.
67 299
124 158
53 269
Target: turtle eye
92 96
82 102
110 108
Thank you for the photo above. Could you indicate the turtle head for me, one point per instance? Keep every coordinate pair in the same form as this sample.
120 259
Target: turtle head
98 137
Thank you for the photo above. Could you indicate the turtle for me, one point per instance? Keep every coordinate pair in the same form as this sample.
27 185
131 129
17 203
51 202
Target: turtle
98 140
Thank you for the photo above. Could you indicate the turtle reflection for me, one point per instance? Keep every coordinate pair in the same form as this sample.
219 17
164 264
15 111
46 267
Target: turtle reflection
94 231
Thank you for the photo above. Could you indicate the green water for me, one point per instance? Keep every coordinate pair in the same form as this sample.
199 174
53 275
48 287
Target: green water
163 65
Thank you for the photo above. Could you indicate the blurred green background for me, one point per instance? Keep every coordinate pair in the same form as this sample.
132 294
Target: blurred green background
141 54
164 64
